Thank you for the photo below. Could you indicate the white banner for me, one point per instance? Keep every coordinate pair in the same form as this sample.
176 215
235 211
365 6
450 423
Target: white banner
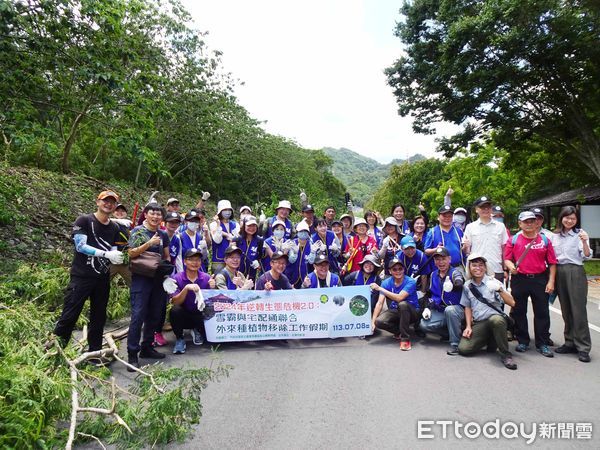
291 314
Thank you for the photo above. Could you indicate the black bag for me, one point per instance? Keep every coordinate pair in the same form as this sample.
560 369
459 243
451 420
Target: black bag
510 322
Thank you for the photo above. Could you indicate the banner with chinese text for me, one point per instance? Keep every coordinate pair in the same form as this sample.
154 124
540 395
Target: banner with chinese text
292 314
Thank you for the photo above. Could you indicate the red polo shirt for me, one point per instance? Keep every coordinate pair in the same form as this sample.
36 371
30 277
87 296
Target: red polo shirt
537 259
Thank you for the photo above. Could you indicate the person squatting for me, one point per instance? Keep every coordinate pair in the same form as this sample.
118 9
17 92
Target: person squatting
452 279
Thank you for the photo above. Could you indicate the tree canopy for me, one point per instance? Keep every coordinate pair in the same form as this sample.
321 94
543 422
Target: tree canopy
524 69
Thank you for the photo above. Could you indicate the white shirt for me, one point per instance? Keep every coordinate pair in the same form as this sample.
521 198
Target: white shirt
487 240
569 248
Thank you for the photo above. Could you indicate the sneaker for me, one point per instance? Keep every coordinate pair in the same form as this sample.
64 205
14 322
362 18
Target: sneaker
564 349
509 363
197 337
179 348
159 340
133 360
101 361
584 357
545 351
405 346
150 353
522 348
452 350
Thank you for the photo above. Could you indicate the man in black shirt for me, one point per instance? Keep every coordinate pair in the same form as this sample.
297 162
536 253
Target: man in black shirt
94 236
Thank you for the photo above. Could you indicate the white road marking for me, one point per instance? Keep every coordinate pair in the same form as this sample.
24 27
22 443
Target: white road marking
591 325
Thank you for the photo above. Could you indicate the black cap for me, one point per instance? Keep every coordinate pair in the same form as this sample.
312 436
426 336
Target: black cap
445 209
320 258
497 209
193 214
232 249
482 201
307 208
121 206
394 262
192 252
537 211
338 221
278 255
172 217
441 251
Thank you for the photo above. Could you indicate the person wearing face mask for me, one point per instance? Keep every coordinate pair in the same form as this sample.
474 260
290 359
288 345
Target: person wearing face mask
321 277
460 219
193 237
442 313
325 241
223 230
498 216
277 242
300 263
282 214
251 246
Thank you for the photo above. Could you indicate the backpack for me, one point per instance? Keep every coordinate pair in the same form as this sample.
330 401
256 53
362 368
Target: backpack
544 239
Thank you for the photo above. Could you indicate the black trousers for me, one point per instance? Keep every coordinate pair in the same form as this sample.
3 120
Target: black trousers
397 321
77 292
182 319
534 288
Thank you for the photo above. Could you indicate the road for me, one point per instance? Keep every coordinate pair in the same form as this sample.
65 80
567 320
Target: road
349 393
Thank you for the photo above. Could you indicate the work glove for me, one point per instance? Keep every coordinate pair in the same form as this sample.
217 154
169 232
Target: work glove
255 265
448 286
114 256
205 195
426 314
169 285
303 197
494 284
334 247
200 301
262 218
203 247
248 284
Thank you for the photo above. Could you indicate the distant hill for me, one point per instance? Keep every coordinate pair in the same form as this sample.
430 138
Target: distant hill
361 175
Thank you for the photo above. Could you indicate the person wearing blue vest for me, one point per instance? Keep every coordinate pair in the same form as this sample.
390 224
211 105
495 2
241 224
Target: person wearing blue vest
251 245
443 313
324 240
398 213
282 213
300 262
373 230
400 294
192 237
308 216
416 263
230 278
448 236
277 242
321 277
338 230
223 230
368 273
390 244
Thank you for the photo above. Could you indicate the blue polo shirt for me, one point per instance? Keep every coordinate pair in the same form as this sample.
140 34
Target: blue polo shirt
408 285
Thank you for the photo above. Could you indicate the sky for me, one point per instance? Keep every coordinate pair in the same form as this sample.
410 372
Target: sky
313 70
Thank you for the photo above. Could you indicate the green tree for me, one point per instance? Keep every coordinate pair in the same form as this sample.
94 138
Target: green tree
524 68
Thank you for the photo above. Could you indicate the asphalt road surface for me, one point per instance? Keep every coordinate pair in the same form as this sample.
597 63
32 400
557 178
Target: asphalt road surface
349 393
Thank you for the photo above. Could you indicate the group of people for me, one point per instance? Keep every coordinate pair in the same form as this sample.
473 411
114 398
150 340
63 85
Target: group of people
450 279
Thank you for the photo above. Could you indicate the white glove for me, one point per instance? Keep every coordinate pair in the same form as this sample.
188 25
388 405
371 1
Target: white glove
205 195
203 246
248 284
494 284
262 216
169 285
255 264
303 197
115 256
426 314
448 285
200 301
290 245
318 246
334 247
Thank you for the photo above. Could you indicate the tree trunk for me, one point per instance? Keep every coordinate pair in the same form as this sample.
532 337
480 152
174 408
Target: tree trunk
71 139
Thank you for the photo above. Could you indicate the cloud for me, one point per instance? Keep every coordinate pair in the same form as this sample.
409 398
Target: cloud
313 70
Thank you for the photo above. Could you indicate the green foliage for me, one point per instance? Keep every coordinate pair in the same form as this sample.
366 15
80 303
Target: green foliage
592 267
521 68
407 185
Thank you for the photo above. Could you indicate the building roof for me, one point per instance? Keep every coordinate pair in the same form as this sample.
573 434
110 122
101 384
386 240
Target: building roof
584 195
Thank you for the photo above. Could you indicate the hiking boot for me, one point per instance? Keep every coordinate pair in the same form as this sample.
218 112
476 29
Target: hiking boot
452 350
150 353
159 340
197 337
405 346
133 360
545 351
101 361
522 348
564 349
584 357
179 348
509 363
